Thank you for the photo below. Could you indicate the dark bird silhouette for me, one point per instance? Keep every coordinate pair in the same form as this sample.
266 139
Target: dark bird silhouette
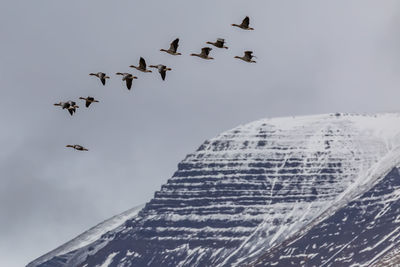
128 78
89 100
219 43
172 48
162 69
204 53
245 24
247 57
69 105
142 66
102 76
78 147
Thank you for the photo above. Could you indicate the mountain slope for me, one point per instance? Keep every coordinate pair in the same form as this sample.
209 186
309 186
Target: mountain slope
90 236
358 234
248 190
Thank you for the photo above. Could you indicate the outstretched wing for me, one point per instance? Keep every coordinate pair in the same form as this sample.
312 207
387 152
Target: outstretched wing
246 22
103 80
88 103
129 83
248 54
220 42
174 45
142 63
71 111
205 51
163 72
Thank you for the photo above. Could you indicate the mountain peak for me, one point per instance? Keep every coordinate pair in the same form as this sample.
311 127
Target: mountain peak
250 189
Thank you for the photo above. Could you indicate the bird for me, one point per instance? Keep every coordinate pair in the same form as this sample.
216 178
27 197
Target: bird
69 105
142 66
245 24
204 53
247 57
219 43
89 100
162 69
78 147
172 48
102 76
128 78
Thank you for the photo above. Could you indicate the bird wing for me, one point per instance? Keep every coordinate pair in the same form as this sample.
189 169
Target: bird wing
103 81
246 22
129 83
174 45
142 63
220 42
71 111
90 98
205 51
163 72
248 54
88 103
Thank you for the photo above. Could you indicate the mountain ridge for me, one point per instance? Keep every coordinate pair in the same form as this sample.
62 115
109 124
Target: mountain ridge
251 188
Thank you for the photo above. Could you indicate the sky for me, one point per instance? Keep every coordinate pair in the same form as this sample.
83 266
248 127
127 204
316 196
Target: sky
312 57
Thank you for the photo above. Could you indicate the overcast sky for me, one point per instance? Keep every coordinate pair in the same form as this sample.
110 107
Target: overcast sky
313 57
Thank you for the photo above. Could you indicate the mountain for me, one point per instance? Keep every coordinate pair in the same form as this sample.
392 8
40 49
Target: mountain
281 191
89 236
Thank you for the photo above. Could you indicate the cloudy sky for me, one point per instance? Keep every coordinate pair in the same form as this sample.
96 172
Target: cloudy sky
313 57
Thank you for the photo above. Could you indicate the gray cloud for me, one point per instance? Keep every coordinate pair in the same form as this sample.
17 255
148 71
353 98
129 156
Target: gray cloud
313 57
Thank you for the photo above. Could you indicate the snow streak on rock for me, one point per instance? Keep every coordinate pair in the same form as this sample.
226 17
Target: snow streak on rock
356 235
248 190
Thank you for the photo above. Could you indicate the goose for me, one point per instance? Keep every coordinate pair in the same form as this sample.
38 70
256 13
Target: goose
89 100
204 53
102 76
247 57
172 48
162 69
245 24
219 43
142 66
78 147
69 105
128 78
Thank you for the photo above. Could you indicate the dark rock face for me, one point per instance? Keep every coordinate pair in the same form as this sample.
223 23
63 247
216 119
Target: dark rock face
359 233
244 192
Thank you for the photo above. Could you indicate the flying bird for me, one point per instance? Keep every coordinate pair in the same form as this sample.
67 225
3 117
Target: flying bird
204 53
247 57
89 100
172 48
128 78
142 66
162 69
219 43
102 76
245 24
78 147
69 105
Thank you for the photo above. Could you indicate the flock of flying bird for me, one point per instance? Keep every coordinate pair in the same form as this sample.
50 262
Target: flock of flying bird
71 106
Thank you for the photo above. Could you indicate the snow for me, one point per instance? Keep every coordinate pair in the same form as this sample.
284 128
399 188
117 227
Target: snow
89 236
109 260
259 184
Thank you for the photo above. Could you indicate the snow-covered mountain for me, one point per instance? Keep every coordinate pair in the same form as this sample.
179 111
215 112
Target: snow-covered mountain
318 190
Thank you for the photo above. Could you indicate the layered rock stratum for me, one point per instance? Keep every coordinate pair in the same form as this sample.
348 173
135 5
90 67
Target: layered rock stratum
314 190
